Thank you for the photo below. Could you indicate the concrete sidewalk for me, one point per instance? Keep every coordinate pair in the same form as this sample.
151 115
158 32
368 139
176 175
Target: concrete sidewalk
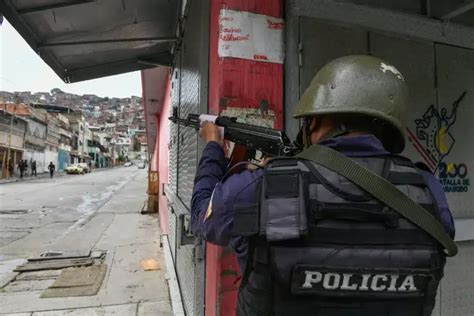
128 238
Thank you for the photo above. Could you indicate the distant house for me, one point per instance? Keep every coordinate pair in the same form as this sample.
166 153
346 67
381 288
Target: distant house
12 137
65 136
35 140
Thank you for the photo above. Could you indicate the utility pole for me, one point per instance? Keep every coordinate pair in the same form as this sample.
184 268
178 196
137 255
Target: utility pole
4 160
10 136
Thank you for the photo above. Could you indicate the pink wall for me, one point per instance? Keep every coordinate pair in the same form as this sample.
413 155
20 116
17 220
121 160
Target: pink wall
156 99
156 154
163 153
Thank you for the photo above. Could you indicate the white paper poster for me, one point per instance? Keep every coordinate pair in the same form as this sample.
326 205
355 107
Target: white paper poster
250 36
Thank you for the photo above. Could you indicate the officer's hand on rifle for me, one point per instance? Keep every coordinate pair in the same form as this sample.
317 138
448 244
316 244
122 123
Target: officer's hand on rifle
261 164
210 132
265 161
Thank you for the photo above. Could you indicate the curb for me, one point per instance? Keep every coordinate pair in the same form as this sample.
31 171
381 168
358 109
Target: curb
173 286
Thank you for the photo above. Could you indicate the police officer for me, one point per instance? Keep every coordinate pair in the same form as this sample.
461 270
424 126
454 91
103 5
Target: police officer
319 244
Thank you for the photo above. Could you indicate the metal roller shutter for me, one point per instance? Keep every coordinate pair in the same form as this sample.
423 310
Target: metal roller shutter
192 76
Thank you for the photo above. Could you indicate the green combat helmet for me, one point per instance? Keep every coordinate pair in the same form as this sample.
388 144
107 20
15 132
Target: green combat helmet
365 87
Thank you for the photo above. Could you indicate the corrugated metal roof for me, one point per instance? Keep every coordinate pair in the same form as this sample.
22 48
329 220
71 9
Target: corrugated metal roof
86 39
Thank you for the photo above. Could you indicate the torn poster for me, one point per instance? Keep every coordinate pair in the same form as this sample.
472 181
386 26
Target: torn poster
250 36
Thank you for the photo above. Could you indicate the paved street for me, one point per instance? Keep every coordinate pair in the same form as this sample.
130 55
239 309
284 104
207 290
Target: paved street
77 214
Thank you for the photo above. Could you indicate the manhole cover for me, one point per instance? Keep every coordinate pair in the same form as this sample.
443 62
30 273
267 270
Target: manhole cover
13 211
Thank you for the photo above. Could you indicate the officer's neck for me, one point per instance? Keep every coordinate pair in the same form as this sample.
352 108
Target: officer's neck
324 132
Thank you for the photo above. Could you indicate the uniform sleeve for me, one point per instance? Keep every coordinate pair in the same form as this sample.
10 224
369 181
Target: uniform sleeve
444 213
213 202
211 169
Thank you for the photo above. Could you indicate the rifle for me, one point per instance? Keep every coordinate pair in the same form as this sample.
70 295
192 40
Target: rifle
247 138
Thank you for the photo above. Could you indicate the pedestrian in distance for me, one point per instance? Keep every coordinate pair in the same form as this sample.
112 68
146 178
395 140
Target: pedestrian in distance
11 169
21 167
25 162
51 168
33 168
327 243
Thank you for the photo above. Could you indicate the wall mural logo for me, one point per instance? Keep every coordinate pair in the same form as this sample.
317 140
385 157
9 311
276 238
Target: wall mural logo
434 141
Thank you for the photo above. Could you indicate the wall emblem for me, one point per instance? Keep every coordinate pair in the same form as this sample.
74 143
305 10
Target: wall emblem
434 141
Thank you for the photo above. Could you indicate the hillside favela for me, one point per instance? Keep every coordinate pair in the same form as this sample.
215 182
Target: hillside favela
37 128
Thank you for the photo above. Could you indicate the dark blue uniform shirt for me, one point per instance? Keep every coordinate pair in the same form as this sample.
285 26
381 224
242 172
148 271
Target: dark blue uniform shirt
213 201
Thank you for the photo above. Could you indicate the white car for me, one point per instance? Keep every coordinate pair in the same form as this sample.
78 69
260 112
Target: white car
85 167
74 169
127 164
141 165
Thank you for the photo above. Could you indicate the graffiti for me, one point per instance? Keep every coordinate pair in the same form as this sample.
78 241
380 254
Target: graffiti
453 177
434 141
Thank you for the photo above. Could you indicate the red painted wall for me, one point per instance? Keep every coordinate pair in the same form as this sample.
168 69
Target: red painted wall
237 83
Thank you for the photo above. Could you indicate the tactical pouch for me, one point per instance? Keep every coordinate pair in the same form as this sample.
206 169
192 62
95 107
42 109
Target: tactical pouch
283 201
246 220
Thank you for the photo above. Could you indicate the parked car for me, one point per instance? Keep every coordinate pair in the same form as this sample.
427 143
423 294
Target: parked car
84 167
127 164
141 165
74 169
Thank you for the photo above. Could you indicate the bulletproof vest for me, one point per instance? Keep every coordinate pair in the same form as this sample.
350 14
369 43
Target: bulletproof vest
319 245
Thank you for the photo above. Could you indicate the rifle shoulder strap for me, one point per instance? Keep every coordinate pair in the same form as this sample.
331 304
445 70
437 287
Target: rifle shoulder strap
382 190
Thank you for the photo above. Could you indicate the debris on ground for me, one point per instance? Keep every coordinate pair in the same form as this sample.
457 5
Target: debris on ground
58 274
84 281
149 264
56 254
52 264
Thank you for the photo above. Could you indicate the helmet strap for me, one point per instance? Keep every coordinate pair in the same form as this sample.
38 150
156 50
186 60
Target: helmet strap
307 131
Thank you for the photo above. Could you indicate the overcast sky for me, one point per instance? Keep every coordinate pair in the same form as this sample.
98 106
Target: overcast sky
21 69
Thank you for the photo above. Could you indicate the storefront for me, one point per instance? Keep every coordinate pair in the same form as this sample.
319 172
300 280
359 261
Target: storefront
16 154
64 159
437 68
